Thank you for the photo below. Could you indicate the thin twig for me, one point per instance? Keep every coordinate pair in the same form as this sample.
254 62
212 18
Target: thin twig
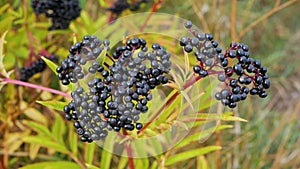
200 16
17 82
233 20
154 8
130 156
264 17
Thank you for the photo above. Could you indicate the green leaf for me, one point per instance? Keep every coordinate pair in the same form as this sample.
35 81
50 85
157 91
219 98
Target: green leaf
197 136
82 3
2 41
35 115
57 105
73 140
106 156
224 117
53 67
90 151
52 165
58 128
190 154
51 64
90 166
123 162
39 128
45 142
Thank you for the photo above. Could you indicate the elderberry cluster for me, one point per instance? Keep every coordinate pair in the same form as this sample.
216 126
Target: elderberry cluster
236 78
37 66
61 12
114 95
120 5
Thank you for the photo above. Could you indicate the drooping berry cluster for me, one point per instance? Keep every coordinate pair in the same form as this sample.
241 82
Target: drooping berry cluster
61 12
244 71
121 5
116 95
26 72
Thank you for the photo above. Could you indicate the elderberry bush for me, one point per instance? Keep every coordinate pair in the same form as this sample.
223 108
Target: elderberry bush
37 66
115 95
61 12
236 78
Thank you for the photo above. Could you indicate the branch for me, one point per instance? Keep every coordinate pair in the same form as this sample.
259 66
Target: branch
17 82
264 17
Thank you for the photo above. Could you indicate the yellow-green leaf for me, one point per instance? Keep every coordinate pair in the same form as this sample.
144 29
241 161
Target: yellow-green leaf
190 154
51 64
57 105
45 142
36 115
39 128
52 165
58 128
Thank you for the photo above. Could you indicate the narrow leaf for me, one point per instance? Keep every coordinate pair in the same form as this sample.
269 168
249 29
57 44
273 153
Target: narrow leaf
51 64
197 136
52 165
35 115
58 128
39 128
57 105
45 142
90 151
190 154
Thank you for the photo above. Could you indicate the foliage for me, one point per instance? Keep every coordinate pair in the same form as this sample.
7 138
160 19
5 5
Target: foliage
34 134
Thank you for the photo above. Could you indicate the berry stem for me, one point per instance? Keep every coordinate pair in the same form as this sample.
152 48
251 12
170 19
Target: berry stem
17 82
130 156
189 83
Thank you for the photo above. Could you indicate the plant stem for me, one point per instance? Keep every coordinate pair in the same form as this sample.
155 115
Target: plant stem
264 17
18 82
130 156
233 20
154 8
189 83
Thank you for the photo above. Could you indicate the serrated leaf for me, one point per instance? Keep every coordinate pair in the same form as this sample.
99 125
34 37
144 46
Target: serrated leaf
45 142
39 128
190 154
52 165
57 105
36 115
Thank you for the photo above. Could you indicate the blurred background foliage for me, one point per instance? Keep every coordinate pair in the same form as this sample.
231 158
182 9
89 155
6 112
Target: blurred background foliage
31 133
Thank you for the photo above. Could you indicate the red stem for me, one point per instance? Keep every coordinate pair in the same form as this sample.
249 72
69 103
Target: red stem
154 8
130 156
17 82
189 83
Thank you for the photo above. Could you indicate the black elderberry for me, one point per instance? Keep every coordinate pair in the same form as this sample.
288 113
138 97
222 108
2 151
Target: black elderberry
37 66
61 12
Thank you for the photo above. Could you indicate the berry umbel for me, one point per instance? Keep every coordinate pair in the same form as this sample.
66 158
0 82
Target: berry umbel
61 12
236 78
26 72
115 95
